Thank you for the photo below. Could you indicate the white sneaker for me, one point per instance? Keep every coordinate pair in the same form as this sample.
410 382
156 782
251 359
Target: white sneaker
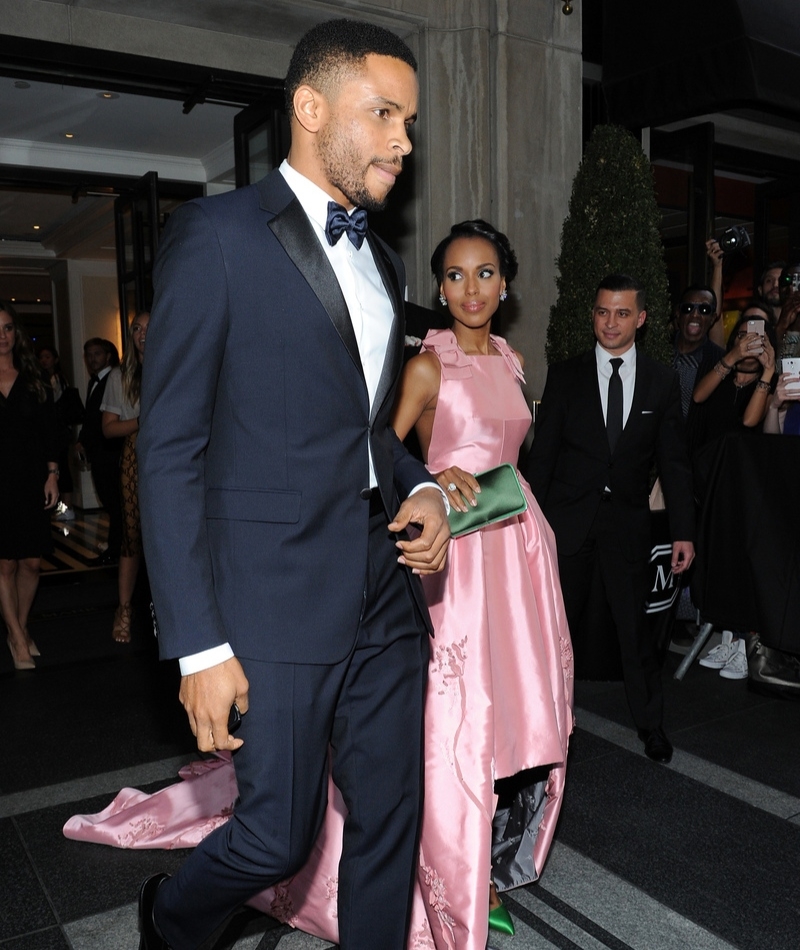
717 658
736 667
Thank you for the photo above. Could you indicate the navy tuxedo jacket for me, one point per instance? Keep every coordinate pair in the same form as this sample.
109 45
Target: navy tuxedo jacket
255 429
570 464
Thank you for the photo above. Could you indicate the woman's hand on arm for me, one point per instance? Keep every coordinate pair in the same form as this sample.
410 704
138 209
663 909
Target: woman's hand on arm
116 428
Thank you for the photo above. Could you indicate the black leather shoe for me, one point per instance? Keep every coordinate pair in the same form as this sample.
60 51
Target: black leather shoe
656 745
149 937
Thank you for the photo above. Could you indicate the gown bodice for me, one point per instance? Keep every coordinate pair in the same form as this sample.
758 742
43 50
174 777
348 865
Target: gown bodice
481 415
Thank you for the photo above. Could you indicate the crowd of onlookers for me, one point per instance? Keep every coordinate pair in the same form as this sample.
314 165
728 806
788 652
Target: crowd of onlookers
745 379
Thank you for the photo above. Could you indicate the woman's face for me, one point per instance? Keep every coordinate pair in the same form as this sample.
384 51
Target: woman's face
139 332
47 361
472 281
8 334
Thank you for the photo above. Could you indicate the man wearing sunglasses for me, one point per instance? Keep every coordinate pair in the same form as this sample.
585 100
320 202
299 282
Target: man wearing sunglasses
694 354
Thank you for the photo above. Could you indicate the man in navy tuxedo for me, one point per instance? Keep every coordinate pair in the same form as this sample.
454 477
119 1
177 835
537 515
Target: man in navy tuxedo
605 416
275 497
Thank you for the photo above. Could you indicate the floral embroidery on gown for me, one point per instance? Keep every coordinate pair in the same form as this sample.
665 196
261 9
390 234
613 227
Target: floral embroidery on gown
499 701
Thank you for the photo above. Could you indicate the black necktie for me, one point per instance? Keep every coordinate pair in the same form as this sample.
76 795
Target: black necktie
93 381
614 412
340 221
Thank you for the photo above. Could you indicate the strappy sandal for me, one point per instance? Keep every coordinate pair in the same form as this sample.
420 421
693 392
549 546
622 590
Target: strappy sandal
121 630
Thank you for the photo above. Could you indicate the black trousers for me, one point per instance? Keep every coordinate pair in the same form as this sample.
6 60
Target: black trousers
601 564
106 478
368 711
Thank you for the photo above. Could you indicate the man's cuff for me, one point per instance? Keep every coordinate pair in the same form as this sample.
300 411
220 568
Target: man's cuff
207 658
422 485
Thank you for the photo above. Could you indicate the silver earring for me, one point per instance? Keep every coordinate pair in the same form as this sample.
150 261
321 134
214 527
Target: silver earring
503 295
443 300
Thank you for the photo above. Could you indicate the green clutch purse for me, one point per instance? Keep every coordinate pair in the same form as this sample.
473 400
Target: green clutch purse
500 497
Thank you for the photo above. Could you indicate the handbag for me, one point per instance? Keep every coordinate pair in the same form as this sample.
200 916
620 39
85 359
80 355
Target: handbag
500 497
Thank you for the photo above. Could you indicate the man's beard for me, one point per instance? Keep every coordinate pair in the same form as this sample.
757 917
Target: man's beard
342 165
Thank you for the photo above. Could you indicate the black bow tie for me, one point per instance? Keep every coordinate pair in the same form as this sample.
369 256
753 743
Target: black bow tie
340 221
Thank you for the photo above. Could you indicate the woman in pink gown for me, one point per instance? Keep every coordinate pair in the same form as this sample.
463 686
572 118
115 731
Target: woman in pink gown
499 701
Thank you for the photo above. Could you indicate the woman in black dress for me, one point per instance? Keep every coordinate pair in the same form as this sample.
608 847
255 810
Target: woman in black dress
28 482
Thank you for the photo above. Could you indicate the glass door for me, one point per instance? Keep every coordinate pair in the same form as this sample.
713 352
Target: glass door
137 226
260 140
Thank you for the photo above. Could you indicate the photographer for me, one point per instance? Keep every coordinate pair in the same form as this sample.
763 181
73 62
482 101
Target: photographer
783 414
788 327
735 393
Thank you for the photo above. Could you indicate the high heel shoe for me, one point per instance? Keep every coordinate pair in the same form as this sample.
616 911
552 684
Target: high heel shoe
121 631
20 664
32 648
500 920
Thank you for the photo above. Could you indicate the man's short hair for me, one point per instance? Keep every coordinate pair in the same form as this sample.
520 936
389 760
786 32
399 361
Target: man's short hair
618 283
106 345
330 49
775 265
698 289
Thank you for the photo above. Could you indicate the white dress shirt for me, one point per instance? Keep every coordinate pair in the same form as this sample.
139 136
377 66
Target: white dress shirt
627 373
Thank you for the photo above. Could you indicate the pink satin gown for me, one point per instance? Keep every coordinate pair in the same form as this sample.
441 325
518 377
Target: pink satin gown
499 701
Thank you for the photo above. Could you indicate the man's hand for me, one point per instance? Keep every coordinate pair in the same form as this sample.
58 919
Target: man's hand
682 556
425 554
207 697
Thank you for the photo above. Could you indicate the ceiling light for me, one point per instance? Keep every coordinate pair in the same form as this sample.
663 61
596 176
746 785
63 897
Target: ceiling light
69 135
108 95
21 84
36 227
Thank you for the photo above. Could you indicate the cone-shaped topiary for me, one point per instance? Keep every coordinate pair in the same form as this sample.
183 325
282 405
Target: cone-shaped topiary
611 228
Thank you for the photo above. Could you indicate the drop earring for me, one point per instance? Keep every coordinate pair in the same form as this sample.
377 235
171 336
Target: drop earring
503 295
443 300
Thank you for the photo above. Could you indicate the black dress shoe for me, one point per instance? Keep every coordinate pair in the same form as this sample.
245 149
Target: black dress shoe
149 937
656 745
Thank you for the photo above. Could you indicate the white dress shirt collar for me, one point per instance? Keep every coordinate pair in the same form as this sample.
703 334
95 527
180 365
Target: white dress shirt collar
313 199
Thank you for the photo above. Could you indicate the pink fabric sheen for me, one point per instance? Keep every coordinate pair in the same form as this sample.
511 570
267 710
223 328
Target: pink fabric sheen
499 694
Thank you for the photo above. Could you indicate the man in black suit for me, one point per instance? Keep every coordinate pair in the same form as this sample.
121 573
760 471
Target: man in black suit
103 454
274 499
604 417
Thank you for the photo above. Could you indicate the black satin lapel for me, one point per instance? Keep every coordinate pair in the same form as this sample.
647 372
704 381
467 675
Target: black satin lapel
394 348
293 229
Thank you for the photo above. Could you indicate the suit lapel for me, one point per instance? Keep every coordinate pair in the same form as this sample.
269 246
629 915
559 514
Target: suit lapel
589 397
294 231
394 349
641 389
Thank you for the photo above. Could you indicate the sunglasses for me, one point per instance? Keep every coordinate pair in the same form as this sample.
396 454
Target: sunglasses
704 309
